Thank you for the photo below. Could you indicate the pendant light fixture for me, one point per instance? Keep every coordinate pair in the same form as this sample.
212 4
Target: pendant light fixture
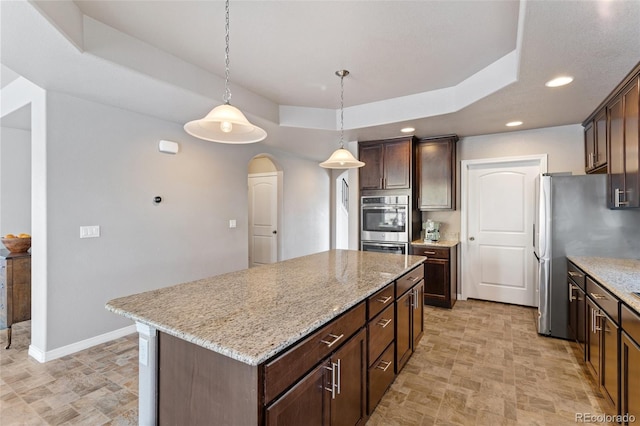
225 123
341 157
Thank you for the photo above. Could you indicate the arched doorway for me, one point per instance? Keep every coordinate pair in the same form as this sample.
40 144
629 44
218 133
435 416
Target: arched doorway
265 207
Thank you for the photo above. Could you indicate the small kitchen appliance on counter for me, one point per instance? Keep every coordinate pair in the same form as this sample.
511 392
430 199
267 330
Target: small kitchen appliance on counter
431 230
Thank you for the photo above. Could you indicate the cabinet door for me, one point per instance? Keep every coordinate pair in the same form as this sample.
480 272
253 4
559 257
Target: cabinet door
403 330
417 318
436 171
436 276
589 145
592 356
572 323
630 376
348 408
600 155
616 152
632 144
397 165
581 314
371 173
306 403
609 361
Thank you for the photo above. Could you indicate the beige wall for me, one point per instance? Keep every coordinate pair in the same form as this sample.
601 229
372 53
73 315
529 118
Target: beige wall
563 145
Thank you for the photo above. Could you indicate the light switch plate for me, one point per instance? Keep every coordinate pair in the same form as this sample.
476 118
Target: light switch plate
90 231
232 223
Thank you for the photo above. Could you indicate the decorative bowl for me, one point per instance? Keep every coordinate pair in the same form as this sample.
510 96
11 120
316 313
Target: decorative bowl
17 245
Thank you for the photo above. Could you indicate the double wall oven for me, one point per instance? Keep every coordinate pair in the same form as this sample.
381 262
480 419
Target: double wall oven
384 224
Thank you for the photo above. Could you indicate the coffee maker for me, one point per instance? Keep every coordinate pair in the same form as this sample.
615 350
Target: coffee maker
431 230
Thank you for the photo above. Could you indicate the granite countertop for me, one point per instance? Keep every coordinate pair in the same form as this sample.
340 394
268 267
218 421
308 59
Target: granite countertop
253 314
439 243
620 276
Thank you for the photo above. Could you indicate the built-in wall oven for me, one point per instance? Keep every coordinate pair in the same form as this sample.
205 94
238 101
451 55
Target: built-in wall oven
384 224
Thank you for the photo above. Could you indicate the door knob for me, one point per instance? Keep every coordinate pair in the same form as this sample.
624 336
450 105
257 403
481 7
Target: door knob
274 232
472 238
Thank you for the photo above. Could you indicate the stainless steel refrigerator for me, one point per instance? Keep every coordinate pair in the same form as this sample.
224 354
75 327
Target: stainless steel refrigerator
571 218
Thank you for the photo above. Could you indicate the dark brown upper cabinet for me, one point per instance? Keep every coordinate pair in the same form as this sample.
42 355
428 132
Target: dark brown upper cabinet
387 164
595 142
436 170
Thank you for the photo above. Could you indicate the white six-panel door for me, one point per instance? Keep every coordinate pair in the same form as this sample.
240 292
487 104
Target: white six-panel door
497 251
263 219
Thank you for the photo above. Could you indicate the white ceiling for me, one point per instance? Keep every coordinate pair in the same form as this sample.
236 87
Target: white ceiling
464 67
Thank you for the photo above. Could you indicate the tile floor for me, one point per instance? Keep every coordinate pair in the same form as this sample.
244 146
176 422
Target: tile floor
481 363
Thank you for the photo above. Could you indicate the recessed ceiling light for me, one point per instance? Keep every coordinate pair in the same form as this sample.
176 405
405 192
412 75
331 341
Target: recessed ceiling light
560 81
514 123
408 130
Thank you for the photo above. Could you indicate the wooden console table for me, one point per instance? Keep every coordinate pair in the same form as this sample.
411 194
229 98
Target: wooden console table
15 290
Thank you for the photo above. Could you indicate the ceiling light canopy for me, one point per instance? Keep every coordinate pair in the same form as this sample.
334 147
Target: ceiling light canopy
514 123
559 81
341 157
225 123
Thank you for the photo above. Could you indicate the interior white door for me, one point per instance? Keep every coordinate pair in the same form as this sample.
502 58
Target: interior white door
263 219
499 261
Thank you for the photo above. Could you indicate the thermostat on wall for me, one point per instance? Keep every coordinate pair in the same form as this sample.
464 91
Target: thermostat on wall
169 147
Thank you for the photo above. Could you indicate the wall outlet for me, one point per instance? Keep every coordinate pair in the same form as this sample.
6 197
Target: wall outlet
90 231
232 223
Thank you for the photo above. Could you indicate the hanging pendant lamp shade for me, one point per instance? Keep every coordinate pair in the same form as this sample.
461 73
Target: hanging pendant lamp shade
225 123
341 157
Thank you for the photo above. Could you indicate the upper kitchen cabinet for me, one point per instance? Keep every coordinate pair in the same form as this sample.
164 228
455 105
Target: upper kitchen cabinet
387 164
436 169
619 115
595 144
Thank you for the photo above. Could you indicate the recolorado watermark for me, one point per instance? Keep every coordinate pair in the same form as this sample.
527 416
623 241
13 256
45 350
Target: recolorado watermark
605 418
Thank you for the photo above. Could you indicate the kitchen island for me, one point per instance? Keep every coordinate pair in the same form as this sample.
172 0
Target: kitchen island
212 346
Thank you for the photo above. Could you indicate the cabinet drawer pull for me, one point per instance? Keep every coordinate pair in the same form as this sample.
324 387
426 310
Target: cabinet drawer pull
335 339
598 296
429 252
575 274
414 279
384 322
386 365
384 300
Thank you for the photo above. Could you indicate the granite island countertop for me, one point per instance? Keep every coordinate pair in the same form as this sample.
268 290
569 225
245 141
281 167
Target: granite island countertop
253 314
620 276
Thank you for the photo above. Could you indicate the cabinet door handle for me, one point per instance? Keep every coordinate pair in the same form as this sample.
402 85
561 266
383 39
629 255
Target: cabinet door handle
332 386
339 374
384 300
617 201
386 365
384 322
335 339
571 288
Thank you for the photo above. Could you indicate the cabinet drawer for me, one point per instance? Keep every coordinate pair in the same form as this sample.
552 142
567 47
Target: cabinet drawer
631 323
380 333
408 280
381 375
605 300
285 370
576 275
380 300
438 253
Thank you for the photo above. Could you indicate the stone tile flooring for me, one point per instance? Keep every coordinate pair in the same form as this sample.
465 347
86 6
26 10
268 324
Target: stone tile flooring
481 363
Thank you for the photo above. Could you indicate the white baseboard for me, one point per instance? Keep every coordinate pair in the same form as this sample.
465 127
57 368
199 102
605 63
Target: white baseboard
42 356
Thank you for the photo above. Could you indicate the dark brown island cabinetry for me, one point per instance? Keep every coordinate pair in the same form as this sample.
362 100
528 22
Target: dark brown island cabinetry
334 376
612 142
630 363
388 163
440 274
436 170
576 280
15 290
409 315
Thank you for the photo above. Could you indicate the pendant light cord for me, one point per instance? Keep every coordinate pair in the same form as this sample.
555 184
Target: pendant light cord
227 91
342 110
